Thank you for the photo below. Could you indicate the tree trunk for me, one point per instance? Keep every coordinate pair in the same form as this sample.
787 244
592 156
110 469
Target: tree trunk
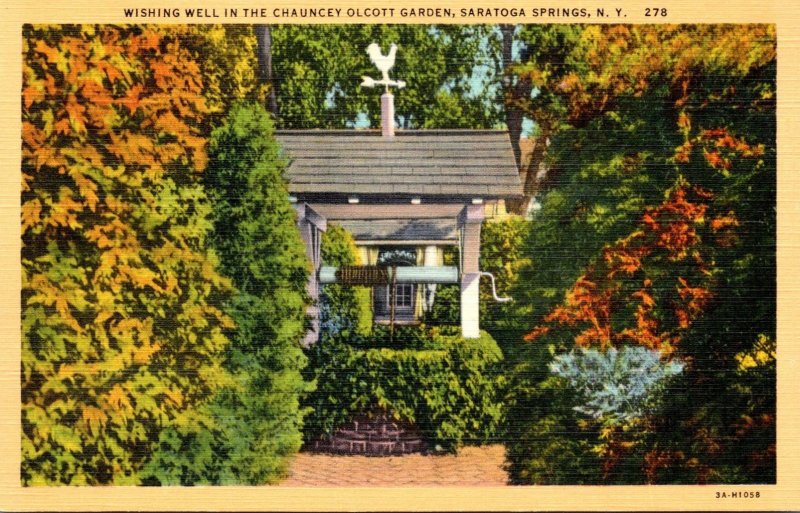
517 92
264 38
512 91
517 95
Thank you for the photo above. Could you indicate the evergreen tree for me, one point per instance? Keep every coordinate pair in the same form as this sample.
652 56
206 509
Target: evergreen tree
261 251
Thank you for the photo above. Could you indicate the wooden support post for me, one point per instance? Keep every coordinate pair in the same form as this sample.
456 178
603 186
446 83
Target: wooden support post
311 226
392 301
430 259
470 224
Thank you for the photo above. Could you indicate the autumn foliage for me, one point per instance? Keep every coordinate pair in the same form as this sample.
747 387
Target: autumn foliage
121 323
661 191
667 234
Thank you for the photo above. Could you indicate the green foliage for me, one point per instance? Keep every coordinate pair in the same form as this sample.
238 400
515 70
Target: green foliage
318 70
445 384
446 308
405 337
343 308
187 456
227 56
503 253
122 332
546 443
550 442
258 419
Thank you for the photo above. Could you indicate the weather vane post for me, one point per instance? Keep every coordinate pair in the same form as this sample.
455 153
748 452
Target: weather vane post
384 63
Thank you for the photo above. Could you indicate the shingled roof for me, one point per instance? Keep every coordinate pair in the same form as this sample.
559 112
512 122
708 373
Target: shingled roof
476 163
401 229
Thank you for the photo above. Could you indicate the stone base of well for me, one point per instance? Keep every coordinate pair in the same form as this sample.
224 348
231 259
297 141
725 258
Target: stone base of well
373 435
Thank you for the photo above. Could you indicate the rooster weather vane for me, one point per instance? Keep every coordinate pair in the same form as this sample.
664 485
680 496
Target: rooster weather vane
384 64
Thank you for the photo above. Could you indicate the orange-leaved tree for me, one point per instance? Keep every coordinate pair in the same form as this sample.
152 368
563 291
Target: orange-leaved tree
656 229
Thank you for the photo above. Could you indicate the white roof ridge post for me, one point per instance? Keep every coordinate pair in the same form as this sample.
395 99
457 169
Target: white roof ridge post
470 223
387 114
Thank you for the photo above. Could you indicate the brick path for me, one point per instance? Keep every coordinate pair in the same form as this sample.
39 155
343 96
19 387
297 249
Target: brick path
472 466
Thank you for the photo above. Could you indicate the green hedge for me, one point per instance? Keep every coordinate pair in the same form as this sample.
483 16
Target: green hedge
448 386
446 309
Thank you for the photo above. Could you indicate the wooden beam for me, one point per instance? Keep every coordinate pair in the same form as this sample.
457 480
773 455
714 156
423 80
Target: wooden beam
409 242
402 211
306 213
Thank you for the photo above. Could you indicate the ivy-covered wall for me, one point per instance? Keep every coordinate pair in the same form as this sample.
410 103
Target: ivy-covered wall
448 386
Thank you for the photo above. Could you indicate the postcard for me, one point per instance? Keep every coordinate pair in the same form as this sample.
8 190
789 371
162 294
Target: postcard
442 256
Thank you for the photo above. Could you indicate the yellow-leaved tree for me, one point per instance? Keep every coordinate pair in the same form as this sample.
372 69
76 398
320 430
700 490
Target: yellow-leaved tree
121 327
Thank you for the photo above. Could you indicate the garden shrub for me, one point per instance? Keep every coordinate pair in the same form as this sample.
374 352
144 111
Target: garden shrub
546 442
549 446
503 253
445 384
343 308
615 385
405 337
583 417
446 308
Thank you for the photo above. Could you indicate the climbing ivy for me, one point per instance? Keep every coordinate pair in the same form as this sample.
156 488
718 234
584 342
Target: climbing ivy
343 308
447 385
